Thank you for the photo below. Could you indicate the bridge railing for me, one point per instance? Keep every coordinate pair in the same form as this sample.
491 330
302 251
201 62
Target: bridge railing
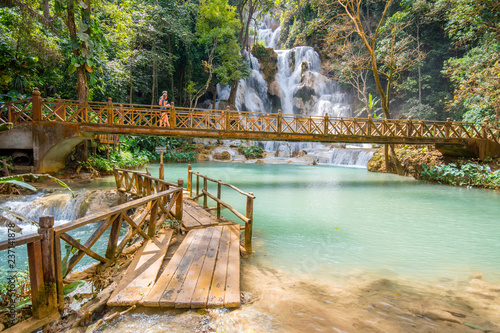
161 200
250 197
292 126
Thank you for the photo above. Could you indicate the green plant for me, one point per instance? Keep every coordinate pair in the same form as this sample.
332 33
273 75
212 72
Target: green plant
469 174
251 151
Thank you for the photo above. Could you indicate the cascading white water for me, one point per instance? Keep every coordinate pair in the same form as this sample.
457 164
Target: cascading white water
60 205
302 89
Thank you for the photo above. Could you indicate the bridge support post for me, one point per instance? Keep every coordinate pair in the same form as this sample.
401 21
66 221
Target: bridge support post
447 127
484 128
110 111
228 119
409 127
249 224
178 204
326 124
369 126
36 102
190 180
278 129
46 300
172 115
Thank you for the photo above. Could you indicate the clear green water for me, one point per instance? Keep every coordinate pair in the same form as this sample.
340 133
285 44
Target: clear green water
334 221
329 220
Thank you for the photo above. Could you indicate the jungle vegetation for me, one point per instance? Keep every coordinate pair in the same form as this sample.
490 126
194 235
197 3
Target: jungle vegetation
429 59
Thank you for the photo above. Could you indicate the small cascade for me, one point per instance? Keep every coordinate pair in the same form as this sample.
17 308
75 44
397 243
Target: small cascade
61 205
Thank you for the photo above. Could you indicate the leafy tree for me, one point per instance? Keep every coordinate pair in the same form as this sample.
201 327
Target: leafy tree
387 48
475 28
217 28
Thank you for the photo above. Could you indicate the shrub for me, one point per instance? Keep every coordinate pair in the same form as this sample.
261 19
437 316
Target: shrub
469 174
251 151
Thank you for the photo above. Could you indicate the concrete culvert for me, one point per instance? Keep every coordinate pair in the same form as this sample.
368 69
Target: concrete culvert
21 158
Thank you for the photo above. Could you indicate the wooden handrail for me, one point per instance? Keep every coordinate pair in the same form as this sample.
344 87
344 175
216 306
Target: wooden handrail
110 117
247 218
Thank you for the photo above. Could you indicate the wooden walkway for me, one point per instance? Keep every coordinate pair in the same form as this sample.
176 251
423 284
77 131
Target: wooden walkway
194 216
204 272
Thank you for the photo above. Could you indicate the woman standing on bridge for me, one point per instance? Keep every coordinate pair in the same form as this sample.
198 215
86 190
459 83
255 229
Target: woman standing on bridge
163 102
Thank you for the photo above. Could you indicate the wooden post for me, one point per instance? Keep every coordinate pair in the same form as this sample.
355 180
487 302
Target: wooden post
10 113
152 218
172 114
161 172
204 194
178 203
484 128
114 234
219 192
369 126
248 225
36 102
60 109
36 278
48 297
228 122
110 112
190 181
409 127
447 128
197 185
278 129
58 270
326 124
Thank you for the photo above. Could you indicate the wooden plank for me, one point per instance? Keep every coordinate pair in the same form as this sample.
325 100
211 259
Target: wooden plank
188 221
218 285
33 324
183 299
232 295
142 272
169 295
200 296
153 298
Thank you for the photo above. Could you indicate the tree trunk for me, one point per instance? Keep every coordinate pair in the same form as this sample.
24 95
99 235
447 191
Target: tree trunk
46 9
82 79
130 81
153 88
232 95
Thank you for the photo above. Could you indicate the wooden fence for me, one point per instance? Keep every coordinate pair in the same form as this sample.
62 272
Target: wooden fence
247 218
109 117
161 200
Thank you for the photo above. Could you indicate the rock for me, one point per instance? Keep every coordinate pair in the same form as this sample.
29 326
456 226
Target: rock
260 162
202 157
223 156
476 275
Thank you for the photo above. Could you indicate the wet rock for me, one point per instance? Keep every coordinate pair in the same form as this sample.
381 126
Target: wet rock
223 156
202 157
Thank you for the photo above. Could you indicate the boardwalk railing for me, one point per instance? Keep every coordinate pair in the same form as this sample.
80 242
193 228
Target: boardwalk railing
161 201
112 118
247 218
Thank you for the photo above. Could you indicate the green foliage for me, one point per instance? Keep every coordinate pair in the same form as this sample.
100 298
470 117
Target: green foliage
468 174
180 157
251 151
21 292
124 159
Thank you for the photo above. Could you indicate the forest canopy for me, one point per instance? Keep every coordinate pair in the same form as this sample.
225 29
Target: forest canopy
429 59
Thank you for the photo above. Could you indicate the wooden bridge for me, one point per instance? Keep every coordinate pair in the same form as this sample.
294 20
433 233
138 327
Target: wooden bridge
203 272
481 139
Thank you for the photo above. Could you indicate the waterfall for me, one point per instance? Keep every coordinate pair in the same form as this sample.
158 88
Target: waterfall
298 88
61 205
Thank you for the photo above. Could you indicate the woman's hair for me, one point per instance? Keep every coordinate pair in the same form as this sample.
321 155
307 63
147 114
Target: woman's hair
164 92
